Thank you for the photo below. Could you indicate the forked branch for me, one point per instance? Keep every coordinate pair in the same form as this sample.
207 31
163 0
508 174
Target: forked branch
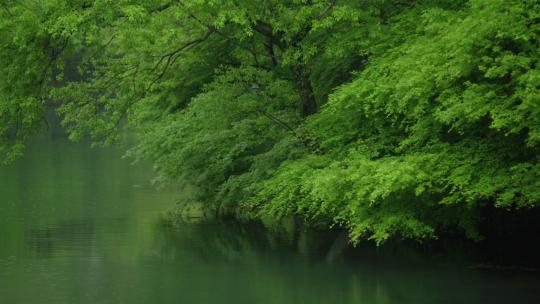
170 57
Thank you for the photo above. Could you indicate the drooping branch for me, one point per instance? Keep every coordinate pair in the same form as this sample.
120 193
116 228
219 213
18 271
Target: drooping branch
279 122
103 47
305 139
327 10
170 57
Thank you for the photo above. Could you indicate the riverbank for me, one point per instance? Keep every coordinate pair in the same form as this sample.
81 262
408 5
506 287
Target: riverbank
509 243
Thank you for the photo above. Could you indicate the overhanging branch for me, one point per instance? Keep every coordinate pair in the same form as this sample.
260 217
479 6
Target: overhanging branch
170 57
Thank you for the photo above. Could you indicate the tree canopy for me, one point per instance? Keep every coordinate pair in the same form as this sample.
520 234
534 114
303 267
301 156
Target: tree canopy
390 118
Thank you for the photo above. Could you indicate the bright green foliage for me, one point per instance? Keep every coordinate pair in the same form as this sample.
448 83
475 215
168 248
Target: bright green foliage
388 118
451 115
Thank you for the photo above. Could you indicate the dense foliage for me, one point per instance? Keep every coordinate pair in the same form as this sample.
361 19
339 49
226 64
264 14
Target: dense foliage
391 118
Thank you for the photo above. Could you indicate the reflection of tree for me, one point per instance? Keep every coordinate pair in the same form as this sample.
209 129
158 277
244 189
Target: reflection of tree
291 265
230 241
62 238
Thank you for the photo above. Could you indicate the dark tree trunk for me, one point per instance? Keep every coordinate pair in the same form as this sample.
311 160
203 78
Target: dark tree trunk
309 104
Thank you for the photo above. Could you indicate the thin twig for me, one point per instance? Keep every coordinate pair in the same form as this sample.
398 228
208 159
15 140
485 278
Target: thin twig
170 57
327 10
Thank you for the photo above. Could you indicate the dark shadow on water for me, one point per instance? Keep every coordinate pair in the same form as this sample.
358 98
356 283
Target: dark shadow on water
64 237
400 272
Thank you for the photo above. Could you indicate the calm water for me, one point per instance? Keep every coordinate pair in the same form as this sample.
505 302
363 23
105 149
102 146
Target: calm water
80 225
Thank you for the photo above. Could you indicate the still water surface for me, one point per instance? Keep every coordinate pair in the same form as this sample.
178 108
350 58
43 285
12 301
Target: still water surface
81 226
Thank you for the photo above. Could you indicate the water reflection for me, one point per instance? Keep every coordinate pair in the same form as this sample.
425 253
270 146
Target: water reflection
73 229
65 237
262 262
229 241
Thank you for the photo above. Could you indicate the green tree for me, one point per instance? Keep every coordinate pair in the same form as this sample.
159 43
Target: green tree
389 118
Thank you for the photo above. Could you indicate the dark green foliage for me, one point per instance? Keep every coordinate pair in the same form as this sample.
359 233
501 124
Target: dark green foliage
388 118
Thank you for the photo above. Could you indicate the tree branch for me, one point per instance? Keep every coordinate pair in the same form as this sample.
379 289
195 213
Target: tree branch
327 10
306 141
170 57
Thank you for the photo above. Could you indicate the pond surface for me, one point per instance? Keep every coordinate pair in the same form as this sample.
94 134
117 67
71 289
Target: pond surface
81 226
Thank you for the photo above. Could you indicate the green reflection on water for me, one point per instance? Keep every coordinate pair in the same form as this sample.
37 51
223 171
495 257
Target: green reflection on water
80 225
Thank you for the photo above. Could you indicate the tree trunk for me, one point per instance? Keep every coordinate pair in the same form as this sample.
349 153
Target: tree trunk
309 105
